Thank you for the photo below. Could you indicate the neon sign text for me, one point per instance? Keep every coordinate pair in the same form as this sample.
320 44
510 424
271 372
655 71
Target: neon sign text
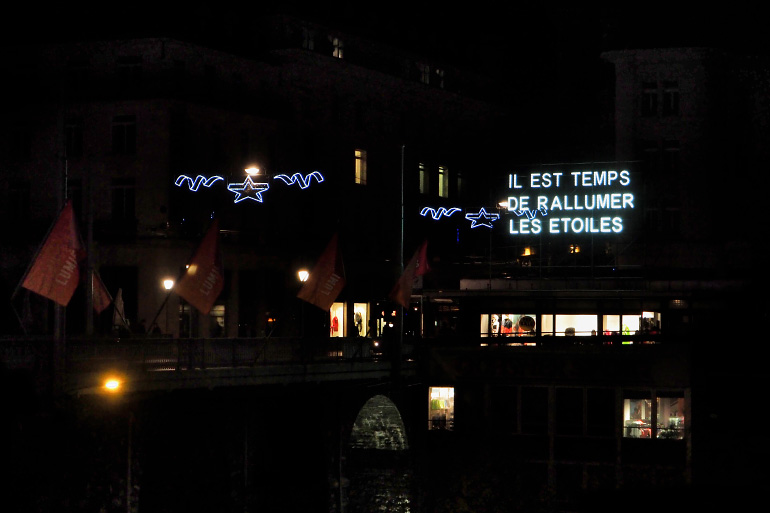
587 202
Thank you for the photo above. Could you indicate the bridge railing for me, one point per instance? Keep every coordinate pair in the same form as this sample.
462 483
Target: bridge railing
167 354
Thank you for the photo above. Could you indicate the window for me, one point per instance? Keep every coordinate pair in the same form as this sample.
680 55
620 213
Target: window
670 417
124 135
670 157
569 325
649 106
670 98
129 71
667 409
441 408
17 203
443 182
361 167
508 325
337 47
423 178
73 138
424 72
647 322
438 78
460 184
123 202
308 39
337 320
217 321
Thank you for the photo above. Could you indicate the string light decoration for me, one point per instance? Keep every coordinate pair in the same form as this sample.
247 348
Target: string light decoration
439 212
482 218
302 180
194 183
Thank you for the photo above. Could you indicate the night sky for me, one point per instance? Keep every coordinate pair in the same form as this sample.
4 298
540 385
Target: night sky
482 32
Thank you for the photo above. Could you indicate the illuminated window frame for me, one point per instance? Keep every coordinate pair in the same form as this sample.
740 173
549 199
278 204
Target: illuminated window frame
337 47
443 181
668 409
360 175
423 172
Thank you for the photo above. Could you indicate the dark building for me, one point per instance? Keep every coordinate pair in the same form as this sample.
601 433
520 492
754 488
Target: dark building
583 329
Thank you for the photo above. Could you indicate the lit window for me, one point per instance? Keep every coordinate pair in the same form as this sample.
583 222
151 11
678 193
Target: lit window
668 410
439 78
424 70
337 320
670 418
508 325
217 321
443 182
361 167
337 47
441 412
423 178
569 325
637 415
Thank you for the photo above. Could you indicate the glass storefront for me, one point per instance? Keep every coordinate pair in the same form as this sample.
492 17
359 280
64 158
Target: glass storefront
560 325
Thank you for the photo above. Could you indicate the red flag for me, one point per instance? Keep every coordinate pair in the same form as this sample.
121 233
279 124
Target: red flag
55 272
101 297
417 266
327 279
204 279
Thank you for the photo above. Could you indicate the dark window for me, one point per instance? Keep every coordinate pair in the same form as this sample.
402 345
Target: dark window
670 98
600 412
124 135
671 157
73 138
649 106
534 410
17 205
123 202
569 411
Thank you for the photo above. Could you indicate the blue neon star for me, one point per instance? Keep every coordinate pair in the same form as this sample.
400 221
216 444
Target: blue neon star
248 190
482 218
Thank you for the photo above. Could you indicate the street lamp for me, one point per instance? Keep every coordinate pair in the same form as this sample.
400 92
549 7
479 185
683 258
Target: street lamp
168 284
303 275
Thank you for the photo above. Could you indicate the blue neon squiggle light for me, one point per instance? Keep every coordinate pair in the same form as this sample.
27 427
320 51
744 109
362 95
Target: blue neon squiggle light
247 190
482 218
195 183
438 213
531 213
304 181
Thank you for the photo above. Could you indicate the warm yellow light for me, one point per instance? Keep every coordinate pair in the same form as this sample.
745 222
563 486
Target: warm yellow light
252 171
168 284
112 384
527 252
303 275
